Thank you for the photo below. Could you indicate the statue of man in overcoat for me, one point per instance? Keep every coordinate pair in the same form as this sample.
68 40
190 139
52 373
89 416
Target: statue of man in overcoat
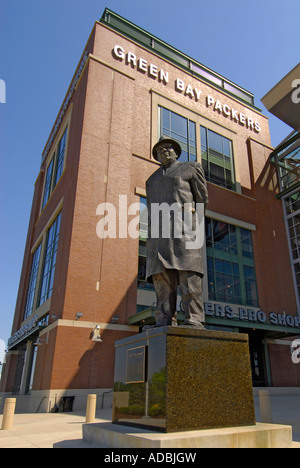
174 257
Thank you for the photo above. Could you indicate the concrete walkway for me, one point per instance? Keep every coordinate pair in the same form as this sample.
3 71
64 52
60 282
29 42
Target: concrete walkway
45 429
65 429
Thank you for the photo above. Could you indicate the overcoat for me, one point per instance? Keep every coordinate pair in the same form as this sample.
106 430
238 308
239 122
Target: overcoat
181 183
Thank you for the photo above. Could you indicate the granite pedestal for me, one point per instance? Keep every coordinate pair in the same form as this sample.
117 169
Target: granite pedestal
106 435
173 379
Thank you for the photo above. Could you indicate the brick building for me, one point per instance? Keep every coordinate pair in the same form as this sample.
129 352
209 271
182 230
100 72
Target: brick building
82 285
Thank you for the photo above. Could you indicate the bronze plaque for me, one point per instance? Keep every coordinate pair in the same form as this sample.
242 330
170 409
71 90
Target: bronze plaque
136 365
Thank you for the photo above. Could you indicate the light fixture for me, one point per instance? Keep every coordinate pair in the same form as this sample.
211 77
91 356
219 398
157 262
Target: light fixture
96 337
114 319
39 341
78 315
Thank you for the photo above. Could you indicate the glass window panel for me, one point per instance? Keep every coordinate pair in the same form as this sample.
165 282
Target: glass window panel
179 125
227 146
228 280
141 276
60 157
235 269
227 267
166 118
249 272
219 282
192 132
181 129
184 156
32 283
216 174
237 287
205 166
210 263
233 240
228 179
211 285
246 239
219 265
221 235
208 232
47 189
143 219
217 149
251 292
203 136
49 261
142 248
142 269
206 74
215 141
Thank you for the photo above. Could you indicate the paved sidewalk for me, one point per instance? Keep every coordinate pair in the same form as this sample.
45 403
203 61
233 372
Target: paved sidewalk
45 429
286 411
65 429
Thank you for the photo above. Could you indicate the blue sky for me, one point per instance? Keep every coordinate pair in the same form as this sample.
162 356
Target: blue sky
252 43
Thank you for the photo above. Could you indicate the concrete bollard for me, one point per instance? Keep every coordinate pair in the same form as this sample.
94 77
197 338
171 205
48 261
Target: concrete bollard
265 406
91 408
8 414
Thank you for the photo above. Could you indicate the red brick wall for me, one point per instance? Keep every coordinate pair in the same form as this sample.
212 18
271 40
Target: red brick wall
284 372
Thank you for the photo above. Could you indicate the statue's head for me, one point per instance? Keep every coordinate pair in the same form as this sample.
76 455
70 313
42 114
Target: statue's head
166 150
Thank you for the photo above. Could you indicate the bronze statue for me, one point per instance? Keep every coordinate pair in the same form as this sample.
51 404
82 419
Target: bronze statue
174 257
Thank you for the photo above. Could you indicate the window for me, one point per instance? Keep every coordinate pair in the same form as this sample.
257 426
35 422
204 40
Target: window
297 276
142 283
49 261
60 156
32 282
230 264
217 158
224 280
250 285
291 204
180 129
47 189
55 168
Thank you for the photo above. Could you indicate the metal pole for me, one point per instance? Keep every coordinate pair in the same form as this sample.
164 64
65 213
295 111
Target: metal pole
91 408
8 414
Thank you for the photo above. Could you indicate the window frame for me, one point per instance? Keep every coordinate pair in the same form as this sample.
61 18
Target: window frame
42 244
231 253
54 158
142 254
55 162
160 100
188 147
48 182
50 248
32 288
218 158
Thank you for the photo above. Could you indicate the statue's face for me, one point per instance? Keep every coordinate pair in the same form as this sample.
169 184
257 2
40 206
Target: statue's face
166 154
